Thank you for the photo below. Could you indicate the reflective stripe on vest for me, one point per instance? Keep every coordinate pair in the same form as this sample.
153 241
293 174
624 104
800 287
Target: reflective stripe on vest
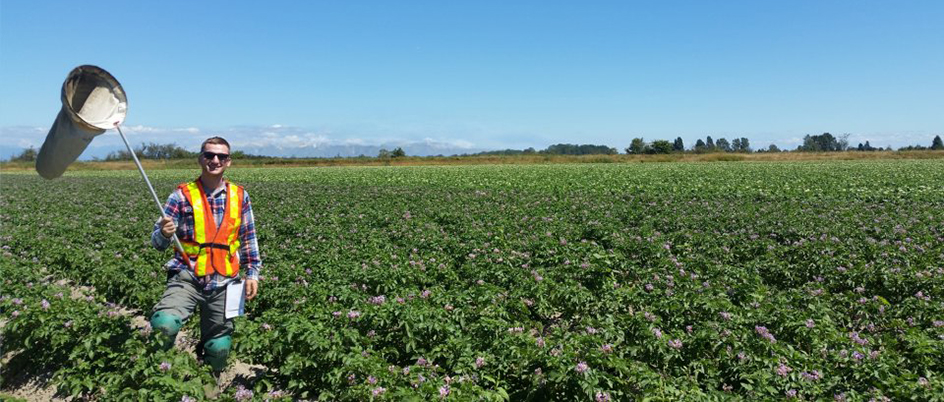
216 247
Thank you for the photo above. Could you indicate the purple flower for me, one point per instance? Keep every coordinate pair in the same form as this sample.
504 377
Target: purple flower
812 375
421 362
67 324
146 330
763 332
938 323
443 391
540 342
351 378
649 287
186 398
336 314
274 394
725 315
675 344
378 391
810 323
353 314
582 367
165 366
858 356
857 339
266 326
406 371
657 332
591 330
537 276
371 380
791 393
607 348
602 397
45 304
479 362
923 381
783 370
426 293
378 300
242 394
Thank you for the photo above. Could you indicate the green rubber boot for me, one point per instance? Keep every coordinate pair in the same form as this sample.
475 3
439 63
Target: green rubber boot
166 325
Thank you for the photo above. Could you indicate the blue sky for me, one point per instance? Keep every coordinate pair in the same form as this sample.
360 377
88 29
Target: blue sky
484 74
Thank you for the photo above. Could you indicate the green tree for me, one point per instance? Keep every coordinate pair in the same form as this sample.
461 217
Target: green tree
723 145
28 155
825 142
700 146
398 153
937 144
678 145
660 147
709 144
637 146
745 145
383 154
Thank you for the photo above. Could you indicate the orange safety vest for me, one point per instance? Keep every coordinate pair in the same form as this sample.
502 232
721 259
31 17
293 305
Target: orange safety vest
216 248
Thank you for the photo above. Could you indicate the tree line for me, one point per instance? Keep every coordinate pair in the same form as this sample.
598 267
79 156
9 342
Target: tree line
825 142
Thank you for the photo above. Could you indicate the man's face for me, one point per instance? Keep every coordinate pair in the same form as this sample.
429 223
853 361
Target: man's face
218 159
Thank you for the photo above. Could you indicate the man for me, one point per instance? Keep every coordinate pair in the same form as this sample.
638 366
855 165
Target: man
213 220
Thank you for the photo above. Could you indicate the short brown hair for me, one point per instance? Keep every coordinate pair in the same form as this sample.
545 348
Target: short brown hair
215 140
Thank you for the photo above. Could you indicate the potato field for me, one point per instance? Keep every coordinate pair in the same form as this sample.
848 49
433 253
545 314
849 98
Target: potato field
593 282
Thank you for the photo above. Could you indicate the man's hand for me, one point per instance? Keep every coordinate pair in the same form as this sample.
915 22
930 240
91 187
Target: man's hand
252 288
167 226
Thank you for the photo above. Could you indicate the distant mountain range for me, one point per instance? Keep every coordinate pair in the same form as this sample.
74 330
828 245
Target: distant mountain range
425 148
353 150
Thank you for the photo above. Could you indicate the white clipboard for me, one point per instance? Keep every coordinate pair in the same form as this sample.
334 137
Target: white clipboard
235 299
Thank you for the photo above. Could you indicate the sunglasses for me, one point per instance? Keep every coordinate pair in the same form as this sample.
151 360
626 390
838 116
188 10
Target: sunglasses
210 155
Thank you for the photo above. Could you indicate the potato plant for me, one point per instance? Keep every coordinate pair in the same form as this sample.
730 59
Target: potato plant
705 281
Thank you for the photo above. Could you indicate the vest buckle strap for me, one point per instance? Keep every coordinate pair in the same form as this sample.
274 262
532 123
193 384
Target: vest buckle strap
215 245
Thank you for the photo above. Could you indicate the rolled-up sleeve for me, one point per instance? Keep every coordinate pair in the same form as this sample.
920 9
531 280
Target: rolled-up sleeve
171 209
249 259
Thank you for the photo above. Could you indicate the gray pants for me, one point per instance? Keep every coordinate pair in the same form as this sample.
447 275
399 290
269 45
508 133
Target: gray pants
184 294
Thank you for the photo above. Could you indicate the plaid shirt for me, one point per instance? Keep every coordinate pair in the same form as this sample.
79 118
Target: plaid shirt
180 210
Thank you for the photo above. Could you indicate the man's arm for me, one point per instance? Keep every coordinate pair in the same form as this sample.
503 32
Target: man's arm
171 210
249 259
